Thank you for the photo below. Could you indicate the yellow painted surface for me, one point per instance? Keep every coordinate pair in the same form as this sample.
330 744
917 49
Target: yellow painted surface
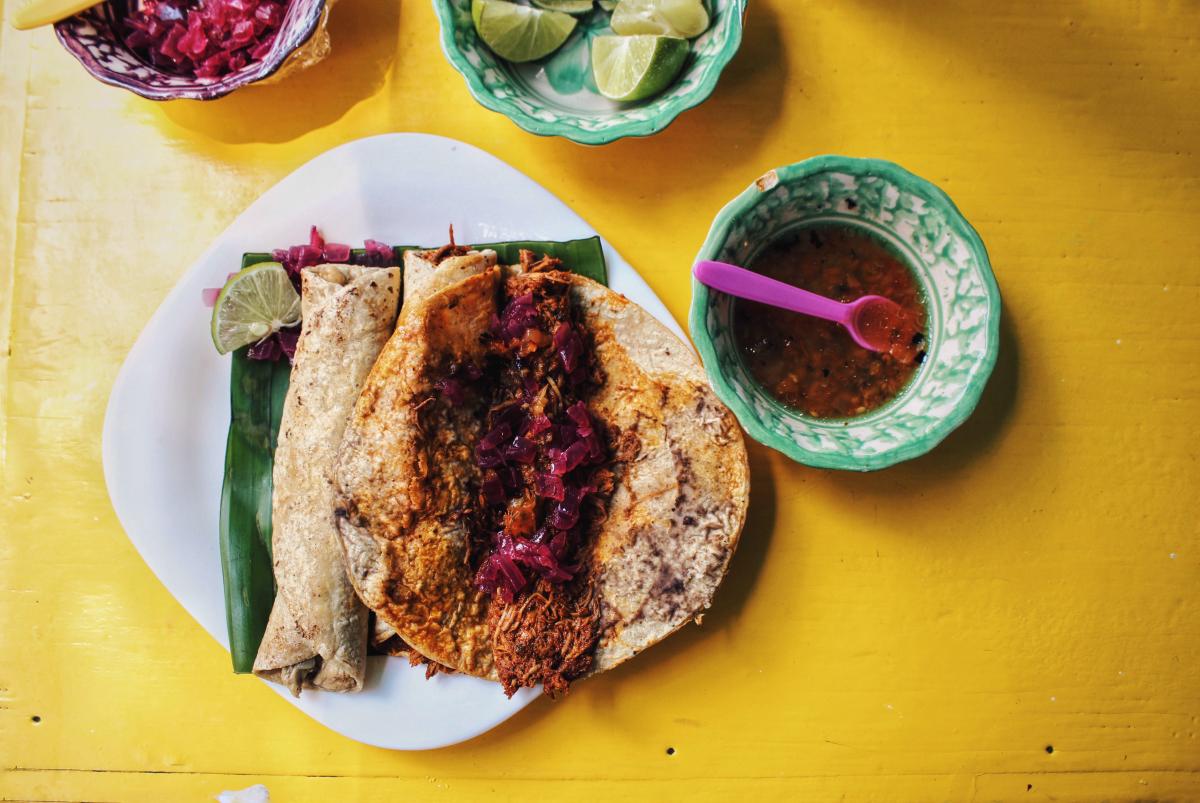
926 633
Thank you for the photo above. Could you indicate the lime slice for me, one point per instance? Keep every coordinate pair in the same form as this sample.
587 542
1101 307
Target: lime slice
636 67
566 6
520 33
254 303
686 18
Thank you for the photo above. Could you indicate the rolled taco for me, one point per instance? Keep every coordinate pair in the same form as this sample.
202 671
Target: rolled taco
537 482
317 633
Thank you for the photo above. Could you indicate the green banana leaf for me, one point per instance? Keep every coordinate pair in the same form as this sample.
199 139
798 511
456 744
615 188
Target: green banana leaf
257 390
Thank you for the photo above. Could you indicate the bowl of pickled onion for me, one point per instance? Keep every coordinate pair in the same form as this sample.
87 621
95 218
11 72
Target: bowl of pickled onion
193 49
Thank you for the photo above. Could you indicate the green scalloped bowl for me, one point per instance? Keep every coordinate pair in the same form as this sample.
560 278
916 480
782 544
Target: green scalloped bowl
557 96
918 221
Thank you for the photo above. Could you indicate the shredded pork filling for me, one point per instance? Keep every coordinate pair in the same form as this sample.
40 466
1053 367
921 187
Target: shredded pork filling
544 485
547 636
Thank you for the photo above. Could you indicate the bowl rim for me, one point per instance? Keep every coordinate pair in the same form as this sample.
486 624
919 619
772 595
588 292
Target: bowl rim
632 128
250 74
963 407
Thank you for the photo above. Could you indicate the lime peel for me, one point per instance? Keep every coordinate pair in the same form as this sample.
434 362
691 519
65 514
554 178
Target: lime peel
254 304
629 68
520 33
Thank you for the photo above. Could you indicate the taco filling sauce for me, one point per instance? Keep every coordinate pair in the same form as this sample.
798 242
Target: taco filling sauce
813 365
544 481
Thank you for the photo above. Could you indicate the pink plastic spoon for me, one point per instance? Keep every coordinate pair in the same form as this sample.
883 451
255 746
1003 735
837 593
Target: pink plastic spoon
870 320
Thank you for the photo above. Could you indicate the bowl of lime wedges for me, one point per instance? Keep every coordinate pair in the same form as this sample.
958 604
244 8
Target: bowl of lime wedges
592 71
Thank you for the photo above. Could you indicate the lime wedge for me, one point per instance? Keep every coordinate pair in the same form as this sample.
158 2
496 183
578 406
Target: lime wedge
636 67
520 33
254 303
565 6
686 18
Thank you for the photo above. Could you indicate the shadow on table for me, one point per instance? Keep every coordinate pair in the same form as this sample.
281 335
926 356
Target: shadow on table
947 464
730 602
979 434
364 35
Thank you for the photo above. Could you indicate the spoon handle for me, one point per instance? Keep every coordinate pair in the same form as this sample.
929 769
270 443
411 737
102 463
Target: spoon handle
755 287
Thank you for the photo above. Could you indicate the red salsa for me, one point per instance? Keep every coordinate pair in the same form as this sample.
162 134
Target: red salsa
813 365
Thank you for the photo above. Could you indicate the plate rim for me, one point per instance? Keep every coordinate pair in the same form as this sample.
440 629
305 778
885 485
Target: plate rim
122 501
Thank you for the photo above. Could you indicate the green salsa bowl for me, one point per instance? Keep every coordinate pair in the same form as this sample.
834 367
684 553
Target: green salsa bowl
917 221
557 95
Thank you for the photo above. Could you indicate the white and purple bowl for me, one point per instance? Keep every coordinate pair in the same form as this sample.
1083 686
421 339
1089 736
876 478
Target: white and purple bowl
94 38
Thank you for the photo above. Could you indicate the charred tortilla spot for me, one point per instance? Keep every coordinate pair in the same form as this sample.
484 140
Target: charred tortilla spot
628 446
675 587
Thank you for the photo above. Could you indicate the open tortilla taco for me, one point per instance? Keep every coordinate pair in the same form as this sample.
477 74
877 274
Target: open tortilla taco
536 482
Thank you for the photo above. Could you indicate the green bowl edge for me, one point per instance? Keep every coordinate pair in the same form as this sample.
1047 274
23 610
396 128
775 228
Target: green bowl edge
717 235
635 128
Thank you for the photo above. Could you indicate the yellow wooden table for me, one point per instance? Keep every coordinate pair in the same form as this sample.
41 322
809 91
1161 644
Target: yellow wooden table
1013 617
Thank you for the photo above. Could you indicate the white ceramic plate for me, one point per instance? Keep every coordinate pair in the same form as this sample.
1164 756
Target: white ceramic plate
164 432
